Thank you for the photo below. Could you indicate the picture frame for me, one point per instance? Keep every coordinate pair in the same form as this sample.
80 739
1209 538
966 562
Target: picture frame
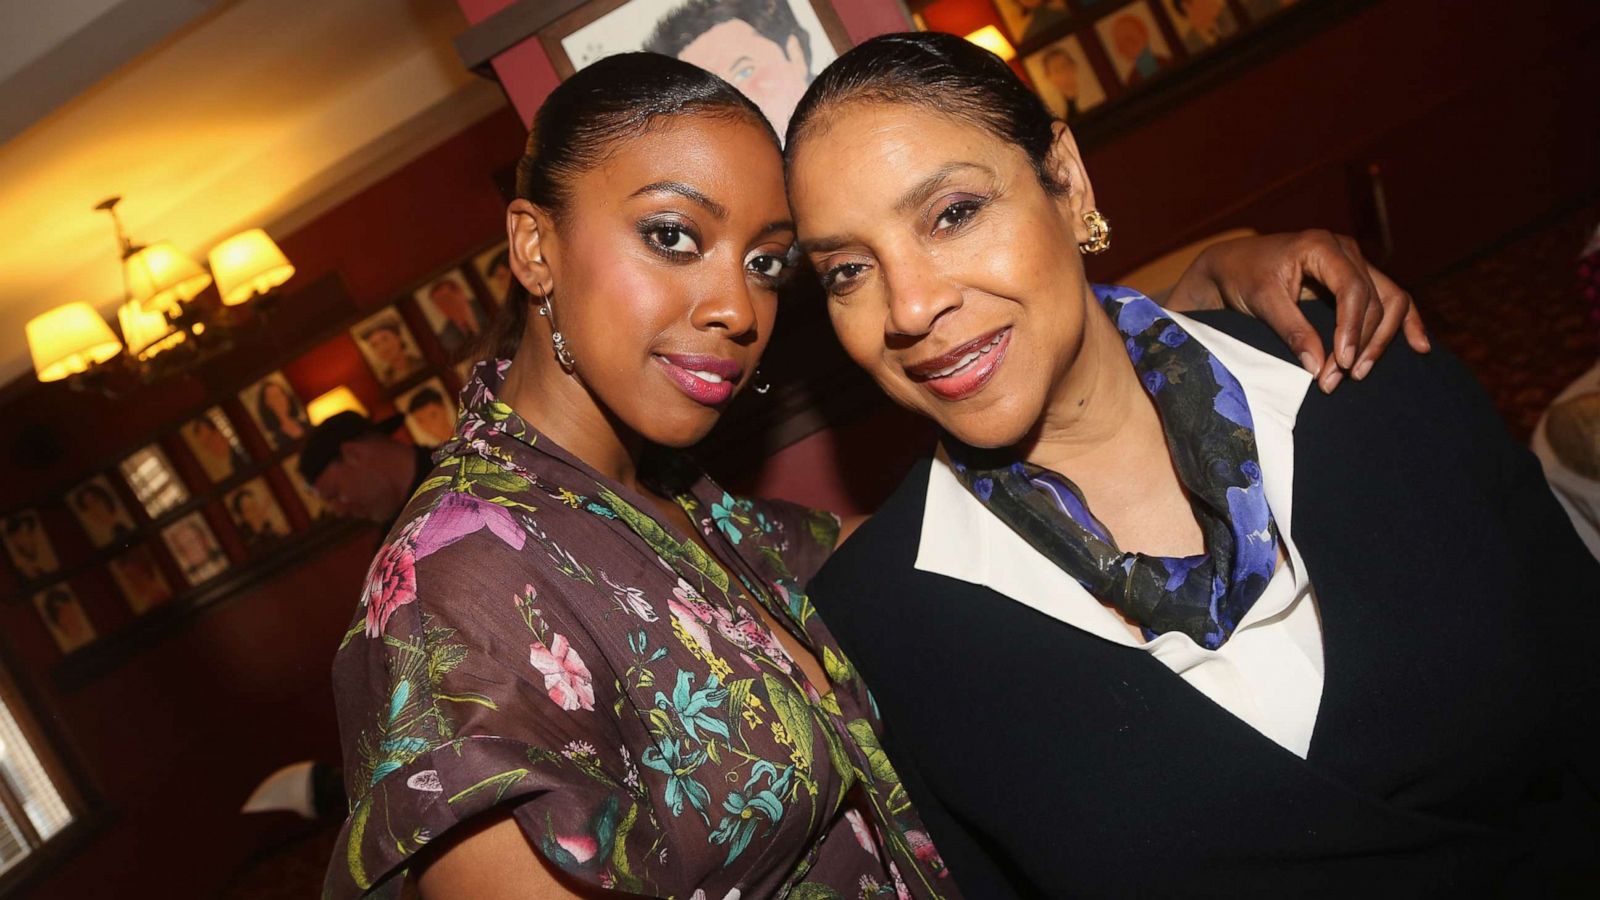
149 474
309 498
1026 22
32 552
100 512
257 517
769 49
277 411
194 548
386 343
215 445
1134 42
430 412
64 618
454 312
1201 24
494 270
1065 79
139 577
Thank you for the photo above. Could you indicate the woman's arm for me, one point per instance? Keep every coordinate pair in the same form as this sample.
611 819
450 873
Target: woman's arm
493 860
1263 276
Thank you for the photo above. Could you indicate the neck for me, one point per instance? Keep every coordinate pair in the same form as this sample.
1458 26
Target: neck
1098 413
561 408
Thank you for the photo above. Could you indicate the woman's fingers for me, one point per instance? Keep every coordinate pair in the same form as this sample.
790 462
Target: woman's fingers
1323 257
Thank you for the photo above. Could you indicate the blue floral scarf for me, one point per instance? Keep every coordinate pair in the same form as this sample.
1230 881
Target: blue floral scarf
1212 439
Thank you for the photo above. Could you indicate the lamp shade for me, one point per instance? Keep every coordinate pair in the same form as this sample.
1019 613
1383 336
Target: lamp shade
160 277
247 264
340 399
146 333
989 38
68 340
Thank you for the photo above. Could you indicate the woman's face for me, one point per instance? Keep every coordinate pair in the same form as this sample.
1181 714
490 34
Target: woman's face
276 399
953 277
663 275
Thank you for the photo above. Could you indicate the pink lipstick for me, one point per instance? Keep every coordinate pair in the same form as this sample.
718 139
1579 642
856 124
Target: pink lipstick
706 379
965 370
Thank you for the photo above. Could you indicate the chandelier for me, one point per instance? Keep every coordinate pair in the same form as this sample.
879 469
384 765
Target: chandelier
169 322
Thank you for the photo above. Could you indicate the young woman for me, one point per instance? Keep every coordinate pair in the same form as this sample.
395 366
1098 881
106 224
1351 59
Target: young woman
579 665
1159 620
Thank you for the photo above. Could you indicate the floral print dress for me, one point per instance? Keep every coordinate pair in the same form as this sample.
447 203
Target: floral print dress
530 639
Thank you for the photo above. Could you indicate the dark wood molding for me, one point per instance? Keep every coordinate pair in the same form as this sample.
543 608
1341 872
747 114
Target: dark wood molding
480 44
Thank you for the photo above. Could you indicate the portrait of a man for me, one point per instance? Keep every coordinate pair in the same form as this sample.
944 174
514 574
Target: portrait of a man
1133 41
215 444
256 513
139 578
768 49
494 267
28 545
103 517
430 414
1028 19
1065 80
388 347
1201 23
194 548
64 617
454 314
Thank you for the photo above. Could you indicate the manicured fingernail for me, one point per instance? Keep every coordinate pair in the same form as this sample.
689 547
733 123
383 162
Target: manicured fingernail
1309 362
1347 354
1426 344
1362 368
1331 381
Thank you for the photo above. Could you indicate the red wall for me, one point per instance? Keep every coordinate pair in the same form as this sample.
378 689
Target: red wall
177 736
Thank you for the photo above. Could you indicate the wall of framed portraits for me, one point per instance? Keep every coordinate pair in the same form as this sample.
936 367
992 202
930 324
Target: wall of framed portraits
171 592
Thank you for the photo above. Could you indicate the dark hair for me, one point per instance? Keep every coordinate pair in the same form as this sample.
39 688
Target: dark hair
772 19
943 74
391 327
1057 53
423 398
617 99
269 417
237 500
54 600
97 491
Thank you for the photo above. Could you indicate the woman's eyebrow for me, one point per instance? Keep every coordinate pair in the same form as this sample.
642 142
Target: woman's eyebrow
919 193
685 191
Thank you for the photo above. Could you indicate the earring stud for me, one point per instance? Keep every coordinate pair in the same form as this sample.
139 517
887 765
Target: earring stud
1099 232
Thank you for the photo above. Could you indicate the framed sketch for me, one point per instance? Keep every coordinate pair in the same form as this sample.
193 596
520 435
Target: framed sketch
455 315
256 513
64 617
101 513
152 479
195 549
1201 24
215 444
29 545
388 346
309 498
139 578
276 410
430 413
1029 19
1064 79
494 267
768 49
1133 41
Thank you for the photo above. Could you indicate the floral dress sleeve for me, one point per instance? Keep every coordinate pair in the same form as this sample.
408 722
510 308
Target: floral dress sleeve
468 686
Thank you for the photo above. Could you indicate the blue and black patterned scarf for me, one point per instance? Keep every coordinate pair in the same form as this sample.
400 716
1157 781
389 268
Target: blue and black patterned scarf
1212 439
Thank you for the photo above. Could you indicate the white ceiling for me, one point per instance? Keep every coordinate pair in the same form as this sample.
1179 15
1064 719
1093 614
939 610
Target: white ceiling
208 117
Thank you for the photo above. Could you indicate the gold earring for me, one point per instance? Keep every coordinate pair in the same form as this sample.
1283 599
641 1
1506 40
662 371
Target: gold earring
1099 232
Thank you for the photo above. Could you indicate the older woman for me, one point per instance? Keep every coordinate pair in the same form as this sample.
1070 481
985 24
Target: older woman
1158 619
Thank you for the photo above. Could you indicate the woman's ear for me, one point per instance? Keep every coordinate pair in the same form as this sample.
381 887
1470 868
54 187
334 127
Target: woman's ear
529 230
1065 166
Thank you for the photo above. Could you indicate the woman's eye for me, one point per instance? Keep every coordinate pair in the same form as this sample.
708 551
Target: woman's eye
843 278
957 214
768 266
673 239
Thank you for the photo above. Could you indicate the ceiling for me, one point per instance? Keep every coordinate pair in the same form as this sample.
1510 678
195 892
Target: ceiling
207 117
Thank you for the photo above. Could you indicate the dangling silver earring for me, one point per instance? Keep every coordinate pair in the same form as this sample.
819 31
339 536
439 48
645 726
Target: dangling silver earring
760 384
563 355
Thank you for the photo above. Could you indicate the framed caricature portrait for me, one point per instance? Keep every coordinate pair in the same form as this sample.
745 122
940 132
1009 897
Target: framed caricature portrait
139 578
152 479
195 549
768 49
388 346
1133 41
28 545
215 445
309 498
256 513
101 513
494 267
1028 19
1201 24
64 617
455 315
276 410
1064 79
430 413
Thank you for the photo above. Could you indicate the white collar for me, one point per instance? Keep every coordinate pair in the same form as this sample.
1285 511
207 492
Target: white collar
961 539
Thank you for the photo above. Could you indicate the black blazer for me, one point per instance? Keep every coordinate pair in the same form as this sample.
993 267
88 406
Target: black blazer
1455 747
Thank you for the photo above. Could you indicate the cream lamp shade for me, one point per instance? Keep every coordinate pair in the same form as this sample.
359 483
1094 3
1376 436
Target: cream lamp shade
336 401
160 277
247 264
68 340
989 38
146 333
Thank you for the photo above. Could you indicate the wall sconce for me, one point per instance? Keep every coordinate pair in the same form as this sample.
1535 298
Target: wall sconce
989 38
340 399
